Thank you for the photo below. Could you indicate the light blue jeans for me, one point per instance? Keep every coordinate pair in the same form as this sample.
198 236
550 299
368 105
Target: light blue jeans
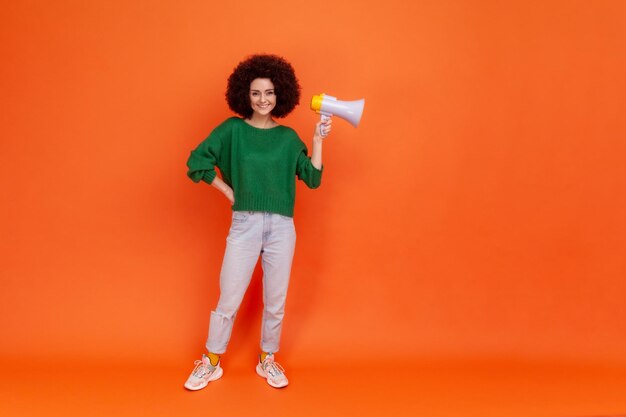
254 234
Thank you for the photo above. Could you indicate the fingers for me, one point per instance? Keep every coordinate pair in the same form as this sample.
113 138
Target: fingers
324 127
230 195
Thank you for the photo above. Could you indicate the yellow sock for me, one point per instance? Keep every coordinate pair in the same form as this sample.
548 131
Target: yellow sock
213 358
263 356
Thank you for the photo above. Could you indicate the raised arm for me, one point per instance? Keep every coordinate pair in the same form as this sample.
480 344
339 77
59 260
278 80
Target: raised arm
322 129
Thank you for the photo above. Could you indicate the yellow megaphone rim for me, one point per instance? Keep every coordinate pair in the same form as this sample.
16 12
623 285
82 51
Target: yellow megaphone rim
316 102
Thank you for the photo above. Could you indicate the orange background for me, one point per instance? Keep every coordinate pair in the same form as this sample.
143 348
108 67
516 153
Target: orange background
476 212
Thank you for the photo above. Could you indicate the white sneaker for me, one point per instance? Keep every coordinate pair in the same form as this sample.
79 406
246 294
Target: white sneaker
272 371
203 373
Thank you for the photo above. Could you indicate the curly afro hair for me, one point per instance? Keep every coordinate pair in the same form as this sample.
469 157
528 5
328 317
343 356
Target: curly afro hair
278 70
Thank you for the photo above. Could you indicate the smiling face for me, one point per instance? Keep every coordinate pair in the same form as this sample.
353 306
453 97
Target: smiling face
262 96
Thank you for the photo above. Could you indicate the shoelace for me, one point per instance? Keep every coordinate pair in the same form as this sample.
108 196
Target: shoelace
201 369
273 368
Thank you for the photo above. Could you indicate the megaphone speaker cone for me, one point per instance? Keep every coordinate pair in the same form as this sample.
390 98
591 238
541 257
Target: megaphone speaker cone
351 111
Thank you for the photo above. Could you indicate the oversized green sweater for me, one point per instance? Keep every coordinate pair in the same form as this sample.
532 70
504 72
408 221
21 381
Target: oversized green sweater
260 165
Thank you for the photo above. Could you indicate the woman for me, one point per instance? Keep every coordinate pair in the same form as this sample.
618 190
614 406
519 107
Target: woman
259 161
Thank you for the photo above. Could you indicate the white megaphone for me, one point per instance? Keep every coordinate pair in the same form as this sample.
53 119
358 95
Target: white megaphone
329 106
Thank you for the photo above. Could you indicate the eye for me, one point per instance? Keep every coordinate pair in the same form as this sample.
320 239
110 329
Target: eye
270 93
254 93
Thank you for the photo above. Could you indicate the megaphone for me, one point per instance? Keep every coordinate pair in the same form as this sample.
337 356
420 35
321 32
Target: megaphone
329 106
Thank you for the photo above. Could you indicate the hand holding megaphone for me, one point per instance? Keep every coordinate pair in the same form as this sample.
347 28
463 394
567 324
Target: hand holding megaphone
328 106
323 127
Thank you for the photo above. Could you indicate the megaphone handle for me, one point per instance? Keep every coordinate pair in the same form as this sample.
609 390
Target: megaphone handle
323 118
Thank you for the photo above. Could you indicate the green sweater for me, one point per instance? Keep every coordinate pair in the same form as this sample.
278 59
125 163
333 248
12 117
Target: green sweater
260 165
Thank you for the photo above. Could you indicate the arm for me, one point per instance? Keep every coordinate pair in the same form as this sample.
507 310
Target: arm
308 169
322 129
203 159
202 163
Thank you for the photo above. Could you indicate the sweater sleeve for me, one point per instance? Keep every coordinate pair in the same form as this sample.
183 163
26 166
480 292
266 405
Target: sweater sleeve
204 159
306 172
